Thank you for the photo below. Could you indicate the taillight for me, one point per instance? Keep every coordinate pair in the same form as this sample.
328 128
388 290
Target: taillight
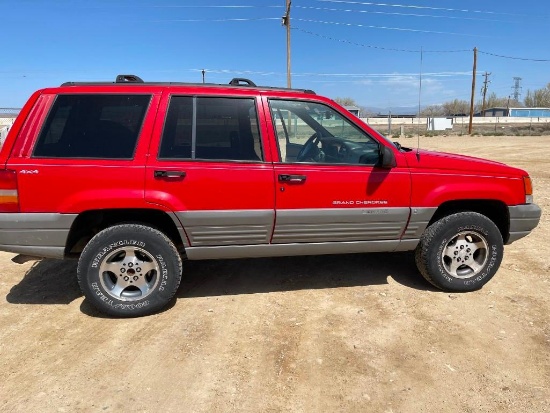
528 190
9 198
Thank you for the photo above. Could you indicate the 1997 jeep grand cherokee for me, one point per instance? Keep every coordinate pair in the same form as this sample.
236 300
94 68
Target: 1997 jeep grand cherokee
130 176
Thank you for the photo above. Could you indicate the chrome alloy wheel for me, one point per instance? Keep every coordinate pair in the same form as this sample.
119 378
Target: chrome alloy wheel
129 273
465 255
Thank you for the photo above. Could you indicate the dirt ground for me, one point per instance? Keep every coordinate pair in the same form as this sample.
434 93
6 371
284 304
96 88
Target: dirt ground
349 333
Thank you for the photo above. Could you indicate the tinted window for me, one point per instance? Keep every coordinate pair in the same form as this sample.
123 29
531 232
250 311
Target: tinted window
218 128
92 126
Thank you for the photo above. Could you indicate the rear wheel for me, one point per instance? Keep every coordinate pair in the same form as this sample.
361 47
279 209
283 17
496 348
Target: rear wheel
460 252
129 270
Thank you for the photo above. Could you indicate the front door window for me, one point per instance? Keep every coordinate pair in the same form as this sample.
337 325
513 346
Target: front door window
315 133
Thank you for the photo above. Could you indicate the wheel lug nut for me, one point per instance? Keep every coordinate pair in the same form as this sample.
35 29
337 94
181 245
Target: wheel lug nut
123 270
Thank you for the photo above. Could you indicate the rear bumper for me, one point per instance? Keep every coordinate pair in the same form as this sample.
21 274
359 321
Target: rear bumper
523 219
36 234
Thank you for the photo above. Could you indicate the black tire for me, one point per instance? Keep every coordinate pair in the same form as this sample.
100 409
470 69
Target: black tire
460 252
129 270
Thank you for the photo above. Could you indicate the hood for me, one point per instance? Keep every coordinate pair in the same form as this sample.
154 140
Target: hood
453 162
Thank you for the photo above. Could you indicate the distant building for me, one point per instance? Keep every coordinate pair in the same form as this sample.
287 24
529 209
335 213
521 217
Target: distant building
353 109
515 112
530 112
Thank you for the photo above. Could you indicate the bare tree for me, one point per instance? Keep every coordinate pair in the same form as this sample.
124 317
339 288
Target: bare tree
493 101
456 108
539 98
432 111
345 101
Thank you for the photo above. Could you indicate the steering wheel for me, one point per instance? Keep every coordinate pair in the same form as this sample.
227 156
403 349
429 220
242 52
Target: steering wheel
310 150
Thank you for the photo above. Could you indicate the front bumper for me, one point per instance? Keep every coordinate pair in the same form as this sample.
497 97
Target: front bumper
523 219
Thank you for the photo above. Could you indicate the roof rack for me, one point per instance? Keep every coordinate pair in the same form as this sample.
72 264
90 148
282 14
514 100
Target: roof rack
136 80
238 81
128 79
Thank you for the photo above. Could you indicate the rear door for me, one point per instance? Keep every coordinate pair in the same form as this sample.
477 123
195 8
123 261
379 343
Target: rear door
211 168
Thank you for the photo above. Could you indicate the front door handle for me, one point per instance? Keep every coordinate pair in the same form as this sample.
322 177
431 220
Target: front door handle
170 174
292 178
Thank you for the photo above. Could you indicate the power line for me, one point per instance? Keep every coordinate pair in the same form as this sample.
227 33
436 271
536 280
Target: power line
378 47
402 29
216 20
406 6
400 14
413 50
356 75
211 7
515 58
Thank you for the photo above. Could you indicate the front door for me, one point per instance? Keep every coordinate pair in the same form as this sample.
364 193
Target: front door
329 187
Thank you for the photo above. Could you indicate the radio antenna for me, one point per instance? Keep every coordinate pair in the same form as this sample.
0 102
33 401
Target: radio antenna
419 99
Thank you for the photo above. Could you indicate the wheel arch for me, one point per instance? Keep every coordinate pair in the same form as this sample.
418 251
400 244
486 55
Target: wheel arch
495 210
89 223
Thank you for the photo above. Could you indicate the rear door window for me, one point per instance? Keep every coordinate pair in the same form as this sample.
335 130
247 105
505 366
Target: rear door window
211 128
92 126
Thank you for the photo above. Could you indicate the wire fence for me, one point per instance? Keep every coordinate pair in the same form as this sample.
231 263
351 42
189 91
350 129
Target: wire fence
9 112
7 116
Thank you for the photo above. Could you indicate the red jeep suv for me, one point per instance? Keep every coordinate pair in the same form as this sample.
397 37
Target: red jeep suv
129 177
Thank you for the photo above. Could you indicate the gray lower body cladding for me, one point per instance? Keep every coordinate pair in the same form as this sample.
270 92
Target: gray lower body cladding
36 234
257 233
240 234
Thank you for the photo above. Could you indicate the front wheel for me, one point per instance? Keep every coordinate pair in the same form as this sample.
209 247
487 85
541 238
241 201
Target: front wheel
460 252
129 270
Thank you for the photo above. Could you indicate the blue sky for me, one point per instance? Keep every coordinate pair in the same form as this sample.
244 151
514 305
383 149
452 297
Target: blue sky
339 48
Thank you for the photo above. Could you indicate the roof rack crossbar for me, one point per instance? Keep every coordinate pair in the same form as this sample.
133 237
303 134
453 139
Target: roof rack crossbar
128 79
240 81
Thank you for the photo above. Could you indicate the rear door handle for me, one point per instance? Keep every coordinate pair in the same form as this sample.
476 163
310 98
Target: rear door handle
292 178
170 174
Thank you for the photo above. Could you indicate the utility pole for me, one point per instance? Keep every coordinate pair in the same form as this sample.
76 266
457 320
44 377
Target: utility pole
484 91
203 72
286 22
473 92
517 88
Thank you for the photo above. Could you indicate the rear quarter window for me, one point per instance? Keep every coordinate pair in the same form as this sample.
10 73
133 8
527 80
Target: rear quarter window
92 126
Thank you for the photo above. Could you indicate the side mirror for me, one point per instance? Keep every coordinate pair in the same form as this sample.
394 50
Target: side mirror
387 158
